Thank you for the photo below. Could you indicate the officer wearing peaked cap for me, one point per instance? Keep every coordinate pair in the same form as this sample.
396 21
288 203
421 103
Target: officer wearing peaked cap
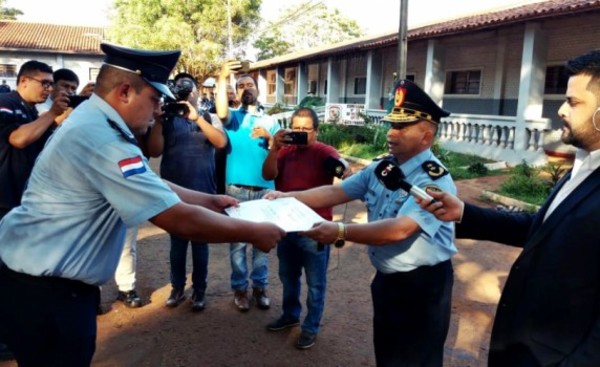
88 185
412 104
409 248
154 67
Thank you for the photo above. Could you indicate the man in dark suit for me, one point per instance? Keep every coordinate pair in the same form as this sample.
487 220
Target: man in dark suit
549 311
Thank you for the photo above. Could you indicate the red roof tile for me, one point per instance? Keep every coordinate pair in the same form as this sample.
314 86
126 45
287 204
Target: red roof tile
42 37
540 10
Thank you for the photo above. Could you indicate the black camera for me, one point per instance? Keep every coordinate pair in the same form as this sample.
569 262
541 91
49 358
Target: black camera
181 93
297 138
75 101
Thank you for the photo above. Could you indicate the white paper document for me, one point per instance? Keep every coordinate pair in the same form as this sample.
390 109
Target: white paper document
288 213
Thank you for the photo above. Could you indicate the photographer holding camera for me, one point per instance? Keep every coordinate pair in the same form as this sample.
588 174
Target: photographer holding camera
187 142
64 87
297 161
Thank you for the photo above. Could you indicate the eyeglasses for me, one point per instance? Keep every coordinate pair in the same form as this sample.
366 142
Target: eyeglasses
307 129
46 84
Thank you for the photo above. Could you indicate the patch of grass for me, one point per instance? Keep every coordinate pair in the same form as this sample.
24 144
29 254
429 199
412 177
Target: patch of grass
368 142
525 184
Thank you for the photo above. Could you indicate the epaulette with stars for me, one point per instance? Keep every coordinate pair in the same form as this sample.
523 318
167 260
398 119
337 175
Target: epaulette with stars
434 170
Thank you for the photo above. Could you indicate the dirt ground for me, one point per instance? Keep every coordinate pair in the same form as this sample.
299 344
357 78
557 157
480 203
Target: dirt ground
155 335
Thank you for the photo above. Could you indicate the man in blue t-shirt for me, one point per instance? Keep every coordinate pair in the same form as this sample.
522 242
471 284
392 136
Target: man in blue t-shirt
250 133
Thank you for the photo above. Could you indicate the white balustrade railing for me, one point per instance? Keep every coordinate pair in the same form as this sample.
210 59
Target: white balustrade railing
493 137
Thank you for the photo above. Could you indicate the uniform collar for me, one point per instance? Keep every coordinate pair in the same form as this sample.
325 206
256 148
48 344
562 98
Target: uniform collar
415 162
110 113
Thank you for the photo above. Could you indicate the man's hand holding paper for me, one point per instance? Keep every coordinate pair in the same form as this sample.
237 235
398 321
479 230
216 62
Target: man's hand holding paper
286 212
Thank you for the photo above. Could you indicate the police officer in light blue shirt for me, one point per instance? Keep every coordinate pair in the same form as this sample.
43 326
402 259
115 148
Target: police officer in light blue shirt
88 185
408 246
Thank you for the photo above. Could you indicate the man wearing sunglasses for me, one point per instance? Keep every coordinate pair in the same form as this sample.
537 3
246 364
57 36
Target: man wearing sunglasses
409 248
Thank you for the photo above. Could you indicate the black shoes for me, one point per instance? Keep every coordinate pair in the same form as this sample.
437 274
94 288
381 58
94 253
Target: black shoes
177 295
306 340
260 297
281 324
130 299
198 301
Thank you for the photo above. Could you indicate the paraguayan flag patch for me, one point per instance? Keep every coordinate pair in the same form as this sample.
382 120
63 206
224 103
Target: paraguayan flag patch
132 166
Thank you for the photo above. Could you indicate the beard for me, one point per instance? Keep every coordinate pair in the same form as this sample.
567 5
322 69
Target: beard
573 138
248 98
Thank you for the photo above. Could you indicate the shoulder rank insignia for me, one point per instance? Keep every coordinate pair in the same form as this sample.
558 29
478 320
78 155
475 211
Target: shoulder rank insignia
434 169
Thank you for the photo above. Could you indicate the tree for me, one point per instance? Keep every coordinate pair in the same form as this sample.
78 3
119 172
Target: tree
8 13
304 26
197 27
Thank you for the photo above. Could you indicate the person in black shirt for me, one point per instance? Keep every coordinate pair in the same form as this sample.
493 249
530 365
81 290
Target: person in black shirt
23 132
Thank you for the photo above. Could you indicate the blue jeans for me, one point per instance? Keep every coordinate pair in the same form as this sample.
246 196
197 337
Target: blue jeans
296 252
199 263
237 251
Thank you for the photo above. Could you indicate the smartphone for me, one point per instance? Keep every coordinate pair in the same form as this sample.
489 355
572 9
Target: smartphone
74 101
297 137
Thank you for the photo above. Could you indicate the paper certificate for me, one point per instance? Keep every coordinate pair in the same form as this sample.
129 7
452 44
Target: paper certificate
288 213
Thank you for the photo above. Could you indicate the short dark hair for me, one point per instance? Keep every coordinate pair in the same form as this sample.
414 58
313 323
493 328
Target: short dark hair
186 76
247 76
31 67
306 112
587 64
65 74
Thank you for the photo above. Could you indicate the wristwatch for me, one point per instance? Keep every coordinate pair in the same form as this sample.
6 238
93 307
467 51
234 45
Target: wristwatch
341 237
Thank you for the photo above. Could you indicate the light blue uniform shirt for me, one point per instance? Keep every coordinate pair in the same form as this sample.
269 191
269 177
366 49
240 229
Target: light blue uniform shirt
246 155
88 184
431 245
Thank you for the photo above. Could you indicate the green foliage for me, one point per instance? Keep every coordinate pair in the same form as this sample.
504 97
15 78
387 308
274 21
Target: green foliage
555 170
478 168
271 46
442 154
526 185
198 28
358 141
304 26
8 13
523 169
311 101
276 108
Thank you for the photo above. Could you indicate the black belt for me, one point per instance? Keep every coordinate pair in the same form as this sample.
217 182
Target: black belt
250 188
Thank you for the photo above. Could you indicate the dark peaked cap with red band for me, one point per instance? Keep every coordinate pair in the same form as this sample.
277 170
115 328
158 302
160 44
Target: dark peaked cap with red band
412 104
153 66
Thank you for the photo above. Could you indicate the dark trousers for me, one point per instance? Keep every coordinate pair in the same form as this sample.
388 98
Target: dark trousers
48 321
411 315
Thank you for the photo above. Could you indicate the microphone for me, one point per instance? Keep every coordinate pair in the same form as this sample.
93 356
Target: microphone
392 177
334 167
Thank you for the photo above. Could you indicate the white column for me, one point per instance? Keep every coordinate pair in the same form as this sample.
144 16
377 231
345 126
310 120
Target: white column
435 75
279 84
302 81
333 81
499 75
531 86
374 79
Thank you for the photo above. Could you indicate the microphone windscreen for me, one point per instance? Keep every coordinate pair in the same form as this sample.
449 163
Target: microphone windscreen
334 167
389 175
